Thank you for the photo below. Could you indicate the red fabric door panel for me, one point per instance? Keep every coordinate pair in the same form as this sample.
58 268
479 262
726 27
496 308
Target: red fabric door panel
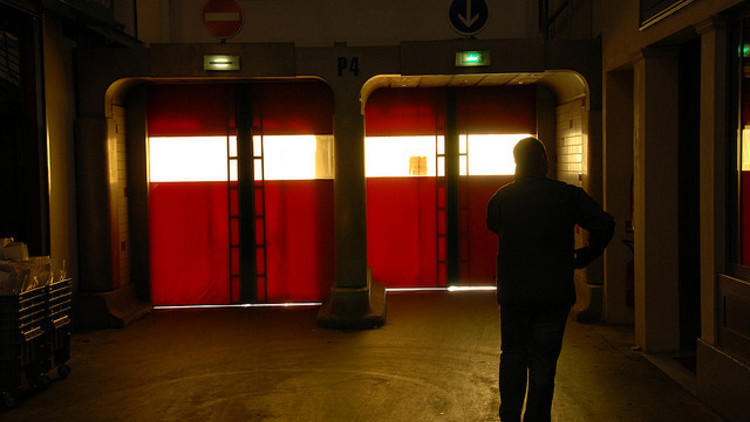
401 231
421 111
293 108
288 108
483 243
190 110
300 240
189 220
497 109
189 246
405 112
401 211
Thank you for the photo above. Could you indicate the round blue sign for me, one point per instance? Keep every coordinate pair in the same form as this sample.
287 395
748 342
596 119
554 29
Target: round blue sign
468 16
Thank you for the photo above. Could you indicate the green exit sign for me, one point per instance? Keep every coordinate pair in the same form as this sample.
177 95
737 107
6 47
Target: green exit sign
472 58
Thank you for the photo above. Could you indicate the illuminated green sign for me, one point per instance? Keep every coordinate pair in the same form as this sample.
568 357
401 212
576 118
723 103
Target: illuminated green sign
221 62
472 58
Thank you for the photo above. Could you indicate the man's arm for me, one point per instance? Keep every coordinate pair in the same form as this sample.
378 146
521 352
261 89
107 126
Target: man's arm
600 225
493 214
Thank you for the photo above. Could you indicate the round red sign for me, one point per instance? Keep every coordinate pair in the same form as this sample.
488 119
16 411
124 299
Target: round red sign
222 18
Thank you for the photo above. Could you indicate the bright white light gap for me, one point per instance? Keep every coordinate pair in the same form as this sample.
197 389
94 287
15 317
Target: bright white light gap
442 289
204 158
242 305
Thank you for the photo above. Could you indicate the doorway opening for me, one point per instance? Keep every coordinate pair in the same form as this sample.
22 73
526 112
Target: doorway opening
240 192
689 200
433 158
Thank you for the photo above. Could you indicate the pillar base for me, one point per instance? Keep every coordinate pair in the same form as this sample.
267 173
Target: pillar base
354 308
115 309
589 299
723 380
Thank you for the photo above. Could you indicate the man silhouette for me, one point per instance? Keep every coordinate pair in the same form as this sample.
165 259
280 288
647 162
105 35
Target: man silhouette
534 218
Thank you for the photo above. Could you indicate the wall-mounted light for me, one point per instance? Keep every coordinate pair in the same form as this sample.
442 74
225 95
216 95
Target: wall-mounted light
221 62
472 58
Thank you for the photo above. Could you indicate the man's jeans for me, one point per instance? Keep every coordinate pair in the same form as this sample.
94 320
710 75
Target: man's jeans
531 340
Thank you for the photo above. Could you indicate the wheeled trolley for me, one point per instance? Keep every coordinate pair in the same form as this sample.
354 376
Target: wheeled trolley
24 347
59 300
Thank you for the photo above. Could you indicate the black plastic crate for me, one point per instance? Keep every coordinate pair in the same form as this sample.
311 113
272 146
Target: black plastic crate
23 318
23 343
59 303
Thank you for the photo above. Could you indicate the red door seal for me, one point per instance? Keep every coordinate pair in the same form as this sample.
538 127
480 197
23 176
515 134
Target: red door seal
222 18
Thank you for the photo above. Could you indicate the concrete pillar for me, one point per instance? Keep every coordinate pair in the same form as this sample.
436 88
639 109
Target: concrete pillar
546 124
593 156
589 281
617 175
95 221
713 167
593 182
655 156
60 108
356 301
349 190
137 169
106 298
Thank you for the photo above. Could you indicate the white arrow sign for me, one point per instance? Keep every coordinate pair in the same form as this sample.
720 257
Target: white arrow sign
471 19
468 17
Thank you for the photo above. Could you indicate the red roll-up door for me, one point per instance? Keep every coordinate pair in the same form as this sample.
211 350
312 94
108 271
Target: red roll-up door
188 211
402 216
188 220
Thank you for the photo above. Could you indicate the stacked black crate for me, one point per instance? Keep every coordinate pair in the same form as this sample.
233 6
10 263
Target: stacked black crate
59 299
24 347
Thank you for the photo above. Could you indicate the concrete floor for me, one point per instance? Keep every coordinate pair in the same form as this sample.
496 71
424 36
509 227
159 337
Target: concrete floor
435 360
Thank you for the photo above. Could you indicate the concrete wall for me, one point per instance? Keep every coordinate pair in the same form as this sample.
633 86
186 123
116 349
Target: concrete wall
117 129
546 125
570 145
109 73
302 37
618 179
137 198
572 168
622 43
655 200
125 15
153 21
60 113
323 22
645 56
622 40
574 22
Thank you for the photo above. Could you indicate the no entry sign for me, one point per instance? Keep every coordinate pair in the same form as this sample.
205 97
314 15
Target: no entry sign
222 18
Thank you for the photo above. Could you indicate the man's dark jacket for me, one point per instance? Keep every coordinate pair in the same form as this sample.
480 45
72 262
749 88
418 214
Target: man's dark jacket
534 218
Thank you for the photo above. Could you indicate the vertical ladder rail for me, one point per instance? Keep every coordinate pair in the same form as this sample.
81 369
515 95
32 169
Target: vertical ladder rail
452 171
246 194
468 211
439 209
465 207
231 130
252 242
260 244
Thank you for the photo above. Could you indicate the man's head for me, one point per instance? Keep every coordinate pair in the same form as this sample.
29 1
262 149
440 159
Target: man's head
531 157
